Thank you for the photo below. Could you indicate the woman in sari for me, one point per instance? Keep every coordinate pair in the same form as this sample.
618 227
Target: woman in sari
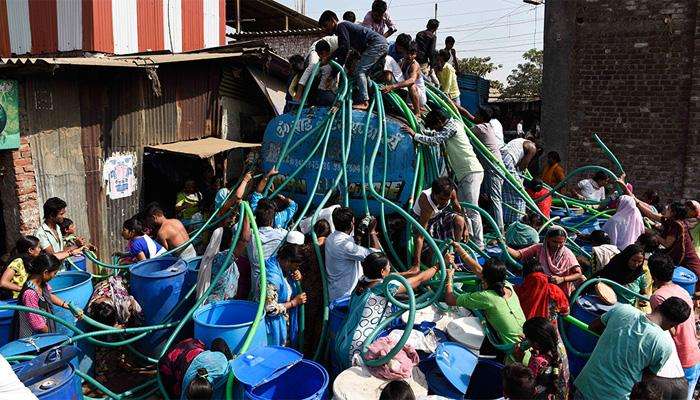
675 236
558 262
626 225
626 269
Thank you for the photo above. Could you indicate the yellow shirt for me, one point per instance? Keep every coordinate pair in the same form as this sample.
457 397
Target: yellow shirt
20 277
448 81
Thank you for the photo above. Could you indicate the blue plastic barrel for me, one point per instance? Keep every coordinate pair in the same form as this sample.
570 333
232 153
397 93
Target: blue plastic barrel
74 287
79 261
158 285
586 228
486 381
586 309
6 322
686 279
229 320
305 380
337 314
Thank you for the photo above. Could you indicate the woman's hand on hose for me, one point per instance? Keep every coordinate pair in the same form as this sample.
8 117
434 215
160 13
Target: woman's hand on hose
296 275
299 300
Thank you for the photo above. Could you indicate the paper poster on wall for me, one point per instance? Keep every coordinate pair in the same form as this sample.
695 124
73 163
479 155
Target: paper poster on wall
119 173
9 114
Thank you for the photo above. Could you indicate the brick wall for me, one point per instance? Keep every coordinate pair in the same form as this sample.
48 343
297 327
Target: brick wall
289 45
633 79
20 206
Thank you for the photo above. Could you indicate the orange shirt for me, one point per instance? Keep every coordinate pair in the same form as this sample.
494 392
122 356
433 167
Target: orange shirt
553 174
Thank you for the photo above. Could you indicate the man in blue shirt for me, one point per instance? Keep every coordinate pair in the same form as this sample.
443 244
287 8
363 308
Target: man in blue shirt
631 342
286 207
371 45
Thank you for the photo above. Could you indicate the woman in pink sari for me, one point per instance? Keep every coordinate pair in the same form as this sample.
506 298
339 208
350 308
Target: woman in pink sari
558 261
626 225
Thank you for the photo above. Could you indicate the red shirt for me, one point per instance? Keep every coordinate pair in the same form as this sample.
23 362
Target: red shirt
684 339
545 205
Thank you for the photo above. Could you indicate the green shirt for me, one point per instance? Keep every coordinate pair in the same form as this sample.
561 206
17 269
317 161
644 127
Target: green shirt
637 286
505 315
629 344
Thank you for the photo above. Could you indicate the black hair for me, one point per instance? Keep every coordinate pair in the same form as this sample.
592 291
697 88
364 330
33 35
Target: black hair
322 228
373 265
540 331
534 184
599 237
343 218
661 267
291 252
412 47
349 16
322 46
435 118
24 244
296 62
379 6
220 345
52 207
327 16
433 24
485 113
265 213
518 382
494 274
442 185
652 197
104 313
133 225
200 388
444 55
65 225
645 391
675 310
600 176
397 390
531 266
678 210
449 39
648 241
554 156
43 262
552 233
403 40
154 209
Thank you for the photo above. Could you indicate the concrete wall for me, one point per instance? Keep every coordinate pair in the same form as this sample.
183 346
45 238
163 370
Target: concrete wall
627 71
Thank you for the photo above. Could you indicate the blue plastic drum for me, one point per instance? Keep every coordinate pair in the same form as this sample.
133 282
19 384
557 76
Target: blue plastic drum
686 279
73 287
586 309
305 380
229 320
79 261
6 322
49 378
159 286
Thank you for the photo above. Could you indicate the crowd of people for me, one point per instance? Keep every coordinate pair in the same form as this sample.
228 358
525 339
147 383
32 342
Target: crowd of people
646 350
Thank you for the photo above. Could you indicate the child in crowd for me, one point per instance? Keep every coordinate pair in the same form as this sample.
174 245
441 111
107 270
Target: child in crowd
141 246
68 231
14 276
397 390
190 372
518 382
36 293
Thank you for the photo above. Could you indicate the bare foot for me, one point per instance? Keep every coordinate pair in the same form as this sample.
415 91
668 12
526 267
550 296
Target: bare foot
361 106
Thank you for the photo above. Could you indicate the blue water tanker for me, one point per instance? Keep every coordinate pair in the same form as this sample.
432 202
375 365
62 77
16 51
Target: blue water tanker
401 158
159 286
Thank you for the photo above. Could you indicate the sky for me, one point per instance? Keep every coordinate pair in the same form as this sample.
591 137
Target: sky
500 29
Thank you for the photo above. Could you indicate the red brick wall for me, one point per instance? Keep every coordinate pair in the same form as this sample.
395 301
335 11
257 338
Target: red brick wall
25 188
633 79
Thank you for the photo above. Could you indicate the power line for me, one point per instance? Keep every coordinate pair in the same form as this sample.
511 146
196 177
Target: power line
455 15
500 18
500 47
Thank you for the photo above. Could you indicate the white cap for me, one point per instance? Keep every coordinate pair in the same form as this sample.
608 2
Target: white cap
295 237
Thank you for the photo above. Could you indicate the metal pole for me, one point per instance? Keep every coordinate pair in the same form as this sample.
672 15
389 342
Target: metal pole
238 16
436 9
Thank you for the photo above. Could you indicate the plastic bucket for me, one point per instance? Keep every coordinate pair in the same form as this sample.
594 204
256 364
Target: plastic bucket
585 309
686 279
74 287
79 261
304 380
229 320
158 285
6 322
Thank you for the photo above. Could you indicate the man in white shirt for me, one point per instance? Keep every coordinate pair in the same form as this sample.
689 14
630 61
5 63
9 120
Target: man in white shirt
519 129
312 59
49 232
496 125
10 385
592 189
343 255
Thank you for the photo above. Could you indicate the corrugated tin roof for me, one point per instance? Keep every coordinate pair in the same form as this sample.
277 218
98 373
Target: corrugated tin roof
119 62
203 148
290 32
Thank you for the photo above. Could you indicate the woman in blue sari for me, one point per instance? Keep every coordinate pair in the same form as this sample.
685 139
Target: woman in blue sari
282 301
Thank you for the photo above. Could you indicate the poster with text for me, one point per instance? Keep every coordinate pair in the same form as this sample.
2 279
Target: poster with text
9 115
119 174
